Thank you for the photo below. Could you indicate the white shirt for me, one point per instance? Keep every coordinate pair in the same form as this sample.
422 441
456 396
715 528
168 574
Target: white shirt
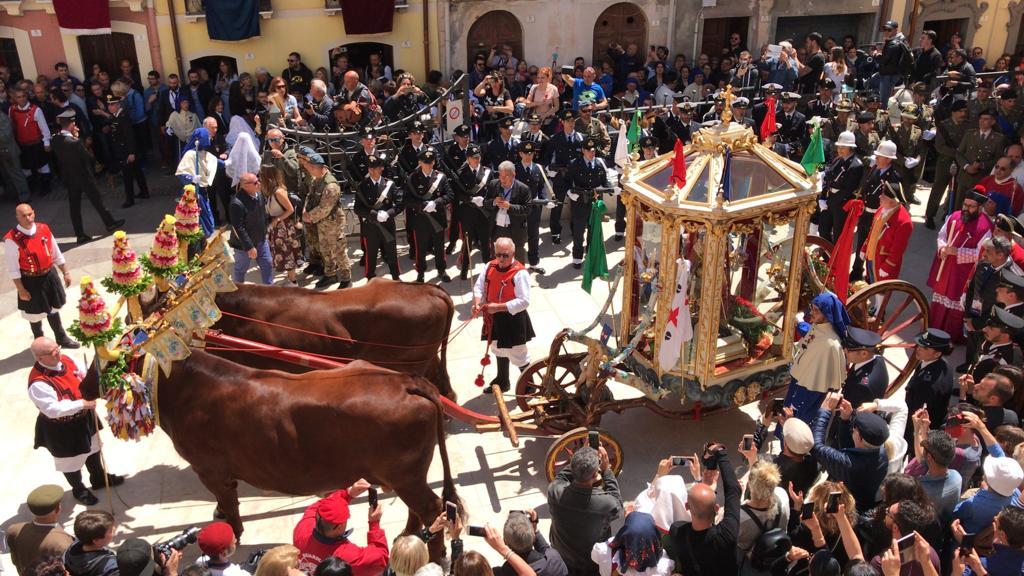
40 120
522 285
45 397
231 569
11 252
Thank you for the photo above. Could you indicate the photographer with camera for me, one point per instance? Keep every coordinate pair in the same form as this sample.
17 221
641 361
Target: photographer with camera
323 531
217 541
583 499
702 546
317 105
521 535
862 467
136 557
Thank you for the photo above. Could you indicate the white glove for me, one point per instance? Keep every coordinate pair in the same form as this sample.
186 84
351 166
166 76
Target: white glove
430 207
573 196
911 162
953 169
382 216
552 172
616 191
822 205
928 135
169 131
550 204
478 201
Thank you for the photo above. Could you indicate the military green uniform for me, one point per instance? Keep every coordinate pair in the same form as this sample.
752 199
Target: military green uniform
975 106
596 129
309 198
866 143
975 148
328 217
908 146
948 135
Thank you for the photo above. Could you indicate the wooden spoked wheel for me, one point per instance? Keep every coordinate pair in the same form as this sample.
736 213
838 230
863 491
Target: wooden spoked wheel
567 444
818 251
530 386
898 312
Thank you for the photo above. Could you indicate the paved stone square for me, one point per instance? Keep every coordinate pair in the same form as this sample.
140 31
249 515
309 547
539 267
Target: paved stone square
162 496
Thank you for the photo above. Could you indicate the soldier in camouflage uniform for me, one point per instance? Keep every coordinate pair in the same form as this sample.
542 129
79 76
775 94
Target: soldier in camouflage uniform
978 153
315 265
948 135
324 212
909 150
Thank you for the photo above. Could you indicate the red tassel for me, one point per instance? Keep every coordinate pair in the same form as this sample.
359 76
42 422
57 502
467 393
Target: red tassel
479 380
486 360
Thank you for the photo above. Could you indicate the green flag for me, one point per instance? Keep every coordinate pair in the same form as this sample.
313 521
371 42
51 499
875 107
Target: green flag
633 136
814 156
596 263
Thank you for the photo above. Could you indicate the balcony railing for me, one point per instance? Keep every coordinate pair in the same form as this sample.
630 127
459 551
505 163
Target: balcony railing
334 5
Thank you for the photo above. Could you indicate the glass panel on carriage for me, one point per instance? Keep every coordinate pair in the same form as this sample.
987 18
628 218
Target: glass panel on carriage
757 265
752 178
660 179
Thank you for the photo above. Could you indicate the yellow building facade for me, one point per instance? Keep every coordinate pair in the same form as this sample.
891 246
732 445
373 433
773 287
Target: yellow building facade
310 27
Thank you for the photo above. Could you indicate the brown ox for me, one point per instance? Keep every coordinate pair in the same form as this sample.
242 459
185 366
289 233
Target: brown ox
396 325
302 434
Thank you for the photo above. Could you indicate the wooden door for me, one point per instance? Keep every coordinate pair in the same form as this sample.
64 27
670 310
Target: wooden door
944 30
494 28
717 32
620 23
9 57
107 50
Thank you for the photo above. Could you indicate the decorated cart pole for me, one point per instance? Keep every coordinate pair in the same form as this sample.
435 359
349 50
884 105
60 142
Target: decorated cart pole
186 221
127 278
163 261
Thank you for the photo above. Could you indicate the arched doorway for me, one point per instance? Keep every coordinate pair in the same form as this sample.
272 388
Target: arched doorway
620 23
107 50
493 29
359 55
212 66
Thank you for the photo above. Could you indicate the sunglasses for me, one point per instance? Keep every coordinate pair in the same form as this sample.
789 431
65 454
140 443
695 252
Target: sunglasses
274 139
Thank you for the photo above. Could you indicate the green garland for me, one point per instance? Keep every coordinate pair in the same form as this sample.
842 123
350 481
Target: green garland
169 272
128 290
112 377
190 238
750 323
100 339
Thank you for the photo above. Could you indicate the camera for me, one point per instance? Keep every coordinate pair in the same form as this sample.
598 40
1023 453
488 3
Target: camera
188 536
712 450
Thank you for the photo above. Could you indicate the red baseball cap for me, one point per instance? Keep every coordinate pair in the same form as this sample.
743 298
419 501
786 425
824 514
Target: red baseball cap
333 509
215 538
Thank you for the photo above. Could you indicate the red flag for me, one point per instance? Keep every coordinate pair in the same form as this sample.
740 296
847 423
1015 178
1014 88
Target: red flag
839 265
83 17
768 124
363 17
678 165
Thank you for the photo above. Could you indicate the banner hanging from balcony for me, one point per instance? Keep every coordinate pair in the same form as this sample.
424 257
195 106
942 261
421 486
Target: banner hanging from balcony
232 19
363 17
83 17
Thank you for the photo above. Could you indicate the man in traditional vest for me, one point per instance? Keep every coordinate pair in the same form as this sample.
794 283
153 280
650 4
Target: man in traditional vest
66 425
33 136
32 258
502 294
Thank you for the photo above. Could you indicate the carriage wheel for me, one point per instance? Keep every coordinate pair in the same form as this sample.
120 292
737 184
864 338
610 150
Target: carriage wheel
530 385
567 444
898 312
819 252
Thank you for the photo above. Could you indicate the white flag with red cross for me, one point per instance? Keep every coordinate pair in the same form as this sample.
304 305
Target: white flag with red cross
679 326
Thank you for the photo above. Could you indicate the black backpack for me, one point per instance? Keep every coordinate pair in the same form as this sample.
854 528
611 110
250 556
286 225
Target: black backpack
906 64
773 543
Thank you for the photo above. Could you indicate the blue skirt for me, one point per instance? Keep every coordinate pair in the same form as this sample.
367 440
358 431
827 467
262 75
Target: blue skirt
804 402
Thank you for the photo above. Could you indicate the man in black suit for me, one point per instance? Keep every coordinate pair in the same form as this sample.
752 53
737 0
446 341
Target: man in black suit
470 195
532 174
508 201
867 379
932 382
981 292
75 166
840 183
502 148
563 149
792 127
454 158
167 102
587 175
125 148
199 92
377 201
999 348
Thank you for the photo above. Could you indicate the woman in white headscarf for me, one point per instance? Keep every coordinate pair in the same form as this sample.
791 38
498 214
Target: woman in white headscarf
665 496
242 158
239 126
